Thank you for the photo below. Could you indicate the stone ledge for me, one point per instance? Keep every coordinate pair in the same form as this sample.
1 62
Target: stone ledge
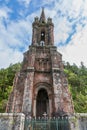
76 121
10 121
12 114
81 114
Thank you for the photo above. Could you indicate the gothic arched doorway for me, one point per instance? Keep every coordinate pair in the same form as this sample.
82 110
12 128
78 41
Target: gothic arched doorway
42 103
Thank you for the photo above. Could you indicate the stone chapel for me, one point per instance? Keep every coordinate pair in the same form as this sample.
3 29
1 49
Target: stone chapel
41 85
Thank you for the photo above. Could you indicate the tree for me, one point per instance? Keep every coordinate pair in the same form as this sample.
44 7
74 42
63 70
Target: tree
6 83
77 78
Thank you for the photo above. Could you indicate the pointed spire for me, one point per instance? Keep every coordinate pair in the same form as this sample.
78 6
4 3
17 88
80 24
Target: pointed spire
42 17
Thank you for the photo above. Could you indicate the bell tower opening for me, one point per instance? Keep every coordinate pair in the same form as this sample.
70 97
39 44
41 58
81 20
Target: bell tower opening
43 31
42 103
43 36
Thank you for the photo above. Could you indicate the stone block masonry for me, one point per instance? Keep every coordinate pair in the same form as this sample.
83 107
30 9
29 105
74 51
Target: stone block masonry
16 121
78 121
12 121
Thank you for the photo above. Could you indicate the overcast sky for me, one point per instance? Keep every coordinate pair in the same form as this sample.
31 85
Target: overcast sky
70 28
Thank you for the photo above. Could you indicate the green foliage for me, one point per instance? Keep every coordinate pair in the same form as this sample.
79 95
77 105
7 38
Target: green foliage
6 82
77 78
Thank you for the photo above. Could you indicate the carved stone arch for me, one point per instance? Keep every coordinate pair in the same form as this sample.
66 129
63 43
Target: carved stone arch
45 86
43 99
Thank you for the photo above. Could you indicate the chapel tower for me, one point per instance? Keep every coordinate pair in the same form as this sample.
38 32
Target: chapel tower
41 85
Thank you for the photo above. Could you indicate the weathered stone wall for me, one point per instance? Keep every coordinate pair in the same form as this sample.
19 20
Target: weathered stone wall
62 97
82 120
78 121
12 121
27 96
15 121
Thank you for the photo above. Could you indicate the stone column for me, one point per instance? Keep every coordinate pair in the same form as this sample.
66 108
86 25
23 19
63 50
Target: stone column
50 107
34 108
50 104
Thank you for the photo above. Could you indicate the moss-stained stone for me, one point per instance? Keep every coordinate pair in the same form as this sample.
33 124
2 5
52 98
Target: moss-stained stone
73 123
16 121
12 121
78 121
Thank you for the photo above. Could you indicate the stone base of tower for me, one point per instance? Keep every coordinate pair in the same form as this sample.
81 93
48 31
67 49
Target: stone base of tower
12 121
17 121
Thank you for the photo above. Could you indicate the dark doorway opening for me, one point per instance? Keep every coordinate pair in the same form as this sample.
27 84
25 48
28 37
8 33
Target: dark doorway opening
42 104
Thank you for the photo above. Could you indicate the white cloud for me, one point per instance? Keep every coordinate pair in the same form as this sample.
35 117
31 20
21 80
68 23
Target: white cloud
76 50
62 28
13 37
11 40
17 34
25 2
4 12
70 8
8 56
